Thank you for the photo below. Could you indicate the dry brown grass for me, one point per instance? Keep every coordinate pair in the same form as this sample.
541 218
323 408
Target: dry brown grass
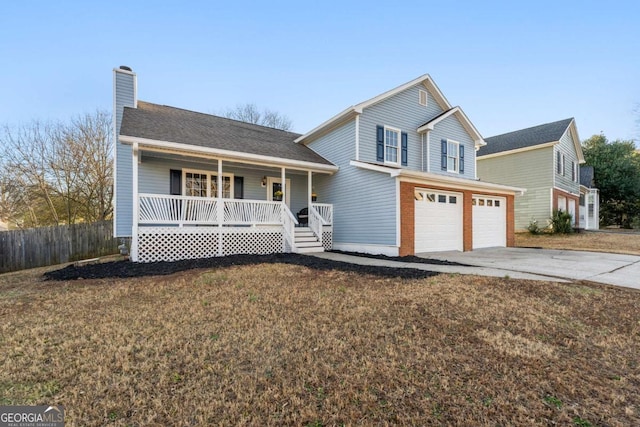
619 243
287 345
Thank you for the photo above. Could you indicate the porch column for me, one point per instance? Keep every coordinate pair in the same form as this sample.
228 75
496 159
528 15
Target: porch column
219 189
284 186
220 207
136 203
309 188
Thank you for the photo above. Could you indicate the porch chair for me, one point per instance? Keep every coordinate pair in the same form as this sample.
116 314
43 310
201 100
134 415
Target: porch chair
303 216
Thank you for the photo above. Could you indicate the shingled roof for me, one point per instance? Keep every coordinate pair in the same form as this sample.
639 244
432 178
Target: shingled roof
164 123
529 137
587 176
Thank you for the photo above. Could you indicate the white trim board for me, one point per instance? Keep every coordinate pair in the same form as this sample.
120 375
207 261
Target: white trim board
464 120
367 248
429 178
518 150
426 81
216 153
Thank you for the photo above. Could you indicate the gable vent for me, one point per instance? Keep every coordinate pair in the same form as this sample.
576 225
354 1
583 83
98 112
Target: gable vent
422 97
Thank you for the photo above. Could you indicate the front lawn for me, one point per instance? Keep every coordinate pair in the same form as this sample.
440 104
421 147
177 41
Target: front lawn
281 344
622 242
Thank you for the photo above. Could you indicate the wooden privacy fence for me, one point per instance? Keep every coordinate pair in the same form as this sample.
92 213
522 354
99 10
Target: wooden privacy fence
39 247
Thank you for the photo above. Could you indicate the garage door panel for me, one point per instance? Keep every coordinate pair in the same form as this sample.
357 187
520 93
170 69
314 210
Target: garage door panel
489 221
438 221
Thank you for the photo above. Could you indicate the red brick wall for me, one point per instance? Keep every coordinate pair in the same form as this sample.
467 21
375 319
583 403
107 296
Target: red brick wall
407 216
407 219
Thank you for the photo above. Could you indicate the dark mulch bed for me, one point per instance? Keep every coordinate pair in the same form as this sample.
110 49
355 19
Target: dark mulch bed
125 269
406 258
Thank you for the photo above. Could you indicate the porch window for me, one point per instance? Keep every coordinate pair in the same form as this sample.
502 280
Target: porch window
196 184
226 186
205 184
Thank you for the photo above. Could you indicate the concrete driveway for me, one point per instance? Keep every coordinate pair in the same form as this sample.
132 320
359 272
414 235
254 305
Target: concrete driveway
612 269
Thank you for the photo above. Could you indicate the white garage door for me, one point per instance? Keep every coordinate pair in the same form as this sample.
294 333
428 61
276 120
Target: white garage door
489 221
438 221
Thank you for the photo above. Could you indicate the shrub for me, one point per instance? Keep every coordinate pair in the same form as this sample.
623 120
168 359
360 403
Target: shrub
534 228
561 222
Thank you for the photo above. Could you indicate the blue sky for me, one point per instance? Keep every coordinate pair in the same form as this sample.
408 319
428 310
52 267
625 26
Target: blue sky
509 65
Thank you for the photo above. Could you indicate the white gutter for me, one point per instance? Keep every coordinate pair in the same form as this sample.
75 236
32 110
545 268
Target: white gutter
228 155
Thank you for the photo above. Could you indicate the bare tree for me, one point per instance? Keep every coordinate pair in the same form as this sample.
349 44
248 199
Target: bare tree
57 173
26 154
250 113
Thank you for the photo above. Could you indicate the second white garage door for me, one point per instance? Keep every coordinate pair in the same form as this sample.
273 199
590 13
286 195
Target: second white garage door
438 221
489 221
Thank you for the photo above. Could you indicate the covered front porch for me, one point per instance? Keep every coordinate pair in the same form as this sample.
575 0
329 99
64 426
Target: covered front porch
188 205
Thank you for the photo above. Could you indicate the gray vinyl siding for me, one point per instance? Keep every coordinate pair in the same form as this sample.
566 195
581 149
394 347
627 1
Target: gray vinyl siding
532 170
153 177
364 202
403 112
124 96
451 128
564 182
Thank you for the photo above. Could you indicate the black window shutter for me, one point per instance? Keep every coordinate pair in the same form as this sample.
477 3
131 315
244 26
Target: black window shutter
461 148
238 187
444 154
175 182
404 152
380 143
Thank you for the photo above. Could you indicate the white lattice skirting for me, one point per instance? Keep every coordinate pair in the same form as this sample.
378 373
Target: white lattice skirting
327 237
176 243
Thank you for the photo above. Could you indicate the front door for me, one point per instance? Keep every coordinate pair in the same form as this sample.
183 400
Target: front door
274 190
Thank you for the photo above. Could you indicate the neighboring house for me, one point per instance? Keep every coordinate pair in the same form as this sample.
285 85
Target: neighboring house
394 175
545 160
589 200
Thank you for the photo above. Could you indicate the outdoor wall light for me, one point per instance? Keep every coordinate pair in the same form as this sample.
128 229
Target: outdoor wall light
264 181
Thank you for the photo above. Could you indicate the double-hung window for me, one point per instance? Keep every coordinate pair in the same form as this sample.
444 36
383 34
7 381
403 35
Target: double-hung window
560 163
453 157
196 184
391 141
205 184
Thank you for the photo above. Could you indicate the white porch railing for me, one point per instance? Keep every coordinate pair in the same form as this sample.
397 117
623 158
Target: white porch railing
289 223
316 222
252 212
187 210
325 210
320 214
180 210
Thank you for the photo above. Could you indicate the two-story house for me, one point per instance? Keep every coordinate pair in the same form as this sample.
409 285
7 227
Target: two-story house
394 175
544 159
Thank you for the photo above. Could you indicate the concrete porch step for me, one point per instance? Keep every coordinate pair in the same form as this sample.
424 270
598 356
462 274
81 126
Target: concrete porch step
312 244
314 249
306 241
